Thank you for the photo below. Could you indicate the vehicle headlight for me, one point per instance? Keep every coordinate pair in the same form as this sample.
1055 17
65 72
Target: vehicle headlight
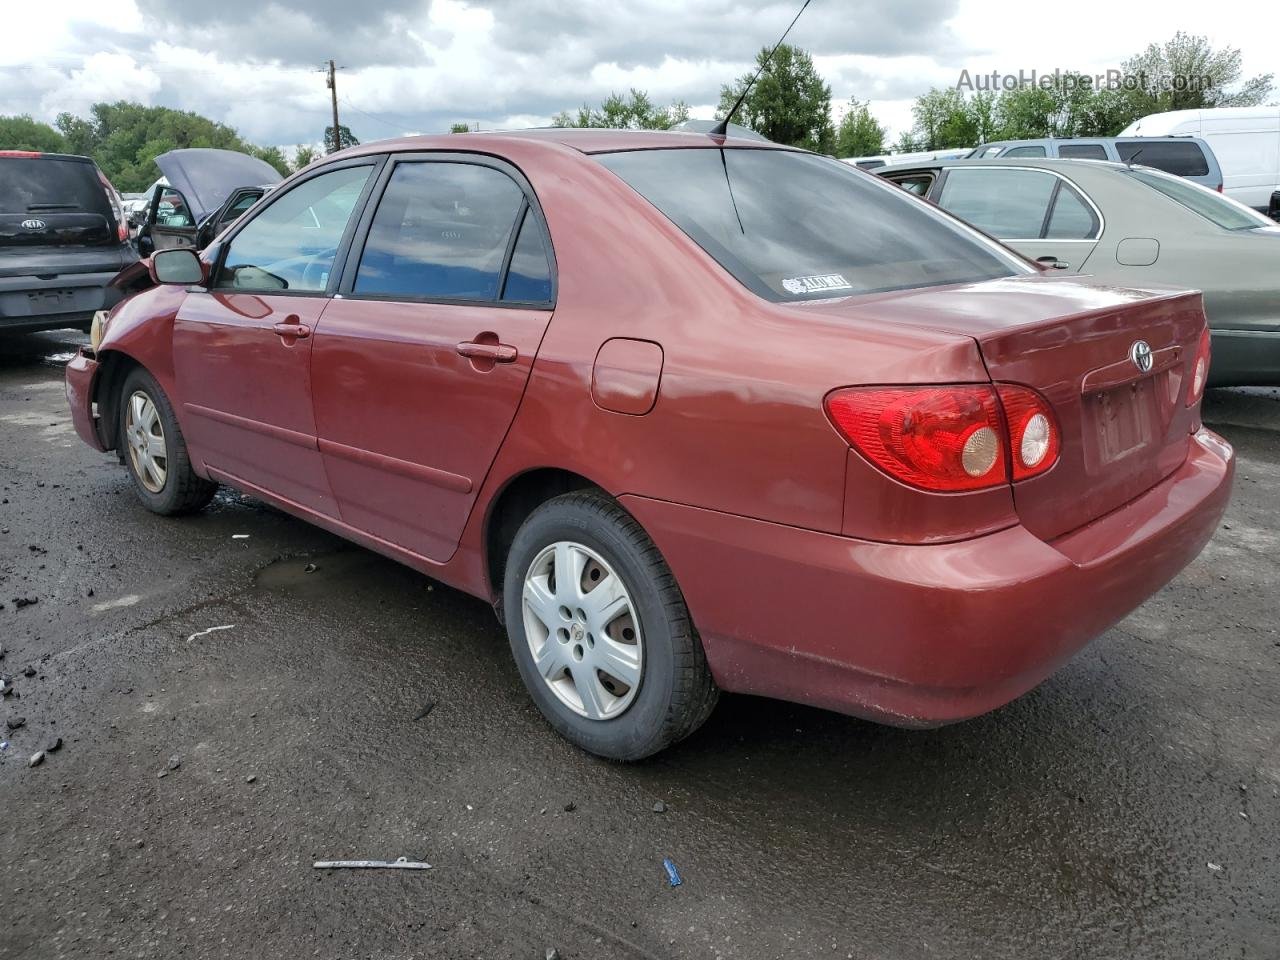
98 329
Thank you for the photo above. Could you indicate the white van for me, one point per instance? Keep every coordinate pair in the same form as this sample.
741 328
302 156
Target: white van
1246 141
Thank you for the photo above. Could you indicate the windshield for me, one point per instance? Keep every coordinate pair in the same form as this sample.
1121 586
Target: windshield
1214 207
794 226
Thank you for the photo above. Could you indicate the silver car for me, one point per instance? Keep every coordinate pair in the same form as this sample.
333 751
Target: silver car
1129 225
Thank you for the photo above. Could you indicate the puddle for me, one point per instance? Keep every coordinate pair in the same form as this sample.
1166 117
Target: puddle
347 569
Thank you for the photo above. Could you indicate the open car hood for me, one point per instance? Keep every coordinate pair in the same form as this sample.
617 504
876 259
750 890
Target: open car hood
206 176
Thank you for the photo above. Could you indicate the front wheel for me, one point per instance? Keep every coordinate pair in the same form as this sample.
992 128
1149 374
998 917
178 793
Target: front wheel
600 630
155 451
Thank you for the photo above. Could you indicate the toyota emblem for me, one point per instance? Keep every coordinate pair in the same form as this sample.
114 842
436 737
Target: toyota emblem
1140 354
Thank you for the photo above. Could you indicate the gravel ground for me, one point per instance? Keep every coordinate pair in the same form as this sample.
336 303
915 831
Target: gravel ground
1129 807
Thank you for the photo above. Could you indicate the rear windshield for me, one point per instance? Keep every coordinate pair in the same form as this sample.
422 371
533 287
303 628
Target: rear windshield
794 226
1214 207
1182 158
47 185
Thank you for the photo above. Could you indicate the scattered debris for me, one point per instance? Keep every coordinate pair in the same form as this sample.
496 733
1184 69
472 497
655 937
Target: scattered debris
36 759
553 953
400 863
659 807
239 536
310 568
201 633
29 672
426 709
138 844
20 602
251 778
570 807
14 723
673 875
175 762
4 744
54 745
1215 867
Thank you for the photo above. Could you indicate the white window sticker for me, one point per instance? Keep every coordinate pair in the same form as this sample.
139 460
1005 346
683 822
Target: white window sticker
830 281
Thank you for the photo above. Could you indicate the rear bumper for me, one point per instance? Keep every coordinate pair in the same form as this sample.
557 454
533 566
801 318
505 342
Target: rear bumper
34 303
82 371
926 635
1245 358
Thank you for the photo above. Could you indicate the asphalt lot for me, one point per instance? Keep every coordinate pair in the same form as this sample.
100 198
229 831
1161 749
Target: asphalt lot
1129 807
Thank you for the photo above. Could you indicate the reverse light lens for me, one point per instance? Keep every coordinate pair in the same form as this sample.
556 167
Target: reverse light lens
945 439
1033 431
1200 373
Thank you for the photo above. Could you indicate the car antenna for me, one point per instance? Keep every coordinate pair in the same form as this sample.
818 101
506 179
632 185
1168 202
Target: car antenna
721 129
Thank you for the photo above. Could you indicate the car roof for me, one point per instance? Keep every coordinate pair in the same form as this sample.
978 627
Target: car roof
584 139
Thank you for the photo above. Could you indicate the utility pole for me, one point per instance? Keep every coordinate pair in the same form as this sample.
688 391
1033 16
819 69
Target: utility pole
333 90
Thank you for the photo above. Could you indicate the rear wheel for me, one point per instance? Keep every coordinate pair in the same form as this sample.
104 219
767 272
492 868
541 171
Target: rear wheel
155 452
600 630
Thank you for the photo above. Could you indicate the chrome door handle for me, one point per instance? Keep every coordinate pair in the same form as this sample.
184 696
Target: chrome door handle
299 330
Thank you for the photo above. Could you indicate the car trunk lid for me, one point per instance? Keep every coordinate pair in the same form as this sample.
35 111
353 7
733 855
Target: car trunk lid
1123 430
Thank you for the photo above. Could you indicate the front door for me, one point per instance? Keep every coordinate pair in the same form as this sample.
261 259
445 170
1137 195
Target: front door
242 348
421 363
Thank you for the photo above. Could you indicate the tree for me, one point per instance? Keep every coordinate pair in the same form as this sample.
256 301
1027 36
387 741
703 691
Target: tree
272 155
632 112
304 154
859 133
789 104
1186 73
459 128
942 120
907 143
345 138
24 133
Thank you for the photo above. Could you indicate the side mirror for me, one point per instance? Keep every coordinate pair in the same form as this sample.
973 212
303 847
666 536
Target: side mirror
177 266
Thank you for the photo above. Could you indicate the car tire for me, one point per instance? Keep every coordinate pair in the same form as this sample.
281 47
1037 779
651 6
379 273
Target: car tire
673 692
154 450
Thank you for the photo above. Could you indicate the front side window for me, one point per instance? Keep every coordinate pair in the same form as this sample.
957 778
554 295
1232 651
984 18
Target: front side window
173 210
292 244
441 232
794 226
1214 207
1007 203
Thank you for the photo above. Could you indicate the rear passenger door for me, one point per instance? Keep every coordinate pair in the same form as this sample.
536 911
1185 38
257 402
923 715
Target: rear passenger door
420 363
1036 212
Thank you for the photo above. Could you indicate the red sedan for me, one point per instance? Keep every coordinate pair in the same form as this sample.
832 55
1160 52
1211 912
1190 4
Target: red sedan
694 414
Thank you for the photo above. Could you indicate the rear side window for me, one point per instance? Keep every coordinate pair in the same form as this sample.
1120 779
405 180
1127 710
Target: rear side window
45 185
793 226
1072 218
1024 152
1182 158
291 245
529 276
1007 203
441 232
1082 151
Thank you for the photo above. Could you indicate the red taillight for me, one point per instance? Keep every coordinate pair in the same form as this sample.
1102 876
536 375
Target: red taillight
1200 372
1034 437
26 154
1220 190
949 439
936 438
117 208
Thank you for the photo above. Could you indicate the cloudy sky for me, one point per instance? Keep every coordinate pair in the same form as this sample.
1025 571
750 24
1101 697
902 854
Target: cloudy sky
415 66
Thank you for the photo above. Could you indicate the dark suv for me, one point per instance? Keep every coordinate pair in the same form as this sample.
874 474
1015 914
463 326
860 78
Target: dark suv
63 236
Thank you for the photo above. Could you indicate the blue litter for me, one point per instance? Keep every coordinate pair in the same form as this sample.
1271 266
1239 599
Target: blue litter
4 744
673 875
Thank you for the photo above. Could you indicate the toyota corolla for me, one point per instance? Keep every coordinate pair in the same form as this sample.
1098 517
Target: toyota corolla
693 413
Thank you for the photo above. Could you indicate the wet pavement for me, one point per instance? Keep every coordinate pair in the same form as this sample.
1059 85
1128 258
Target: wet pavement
1129 807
